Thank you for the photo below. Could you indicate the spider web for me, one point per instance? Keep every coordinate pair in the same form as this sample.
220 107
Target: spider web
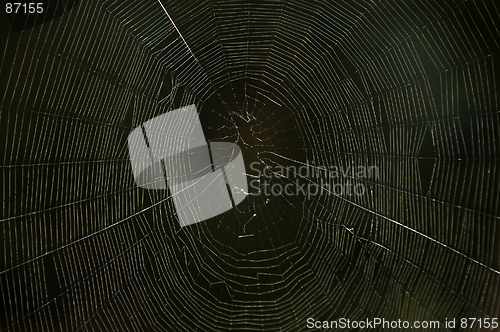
407 86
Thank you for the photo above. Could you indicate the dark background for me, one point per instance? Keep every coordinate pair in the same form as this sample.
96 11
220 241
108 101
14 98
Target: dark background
410 87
